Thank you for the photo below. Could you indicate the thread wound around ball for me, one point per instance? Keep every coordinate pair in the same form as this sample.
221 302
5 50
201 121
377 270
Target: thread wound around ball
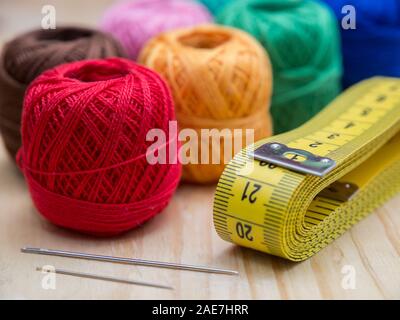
302 39
221 79
28 55
84 151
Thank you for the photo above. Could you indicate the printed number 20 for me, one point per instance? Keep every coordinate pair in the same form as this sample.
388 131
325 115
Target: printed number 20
244 231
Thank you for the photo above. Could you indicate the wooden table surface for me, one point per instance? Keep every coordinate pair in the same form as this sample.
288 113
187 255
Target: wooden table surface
182 233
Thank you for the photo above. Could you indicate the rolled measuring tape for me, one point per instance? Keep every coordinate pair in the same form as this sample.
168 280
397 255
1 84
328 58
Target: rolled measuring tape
292 194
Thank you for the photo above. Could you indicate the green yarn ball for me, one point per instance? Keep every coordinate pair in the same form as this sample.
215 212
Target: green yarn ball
302 40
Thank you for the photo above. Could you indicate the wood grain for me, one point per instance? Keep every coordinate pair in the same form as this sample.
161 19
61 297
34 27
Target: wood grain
182 233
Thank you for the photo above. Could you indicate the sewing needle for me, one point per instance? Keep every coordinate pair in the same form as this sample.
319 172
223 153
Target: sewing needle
103 278
131 261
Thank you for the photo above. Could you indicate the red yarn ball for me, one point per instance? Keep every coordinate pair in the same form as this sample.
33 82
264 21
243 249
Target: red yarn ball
83 153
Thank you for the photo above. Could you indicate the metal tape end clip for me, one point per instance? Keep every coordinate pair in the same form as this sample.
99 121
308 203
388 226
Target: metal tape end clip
295 159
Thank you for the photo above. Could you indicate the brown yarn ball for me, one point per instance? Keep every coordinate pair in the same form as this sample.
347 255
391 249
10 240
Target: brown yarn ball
28 55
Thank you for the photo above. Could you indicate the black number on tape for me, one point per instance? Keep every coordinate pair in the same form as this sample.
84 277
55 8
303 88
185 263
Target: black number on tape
333 136
366 112
349 125
315 144
244 231
249 192
265 163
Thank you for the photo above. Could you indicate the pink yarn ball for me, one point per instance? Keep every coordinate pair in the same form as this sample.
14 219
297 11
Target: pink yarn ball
133 23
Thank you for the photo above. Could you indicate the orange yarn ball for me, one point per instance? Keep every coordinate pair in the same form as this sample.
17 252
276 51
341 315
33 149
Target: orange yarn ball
220 78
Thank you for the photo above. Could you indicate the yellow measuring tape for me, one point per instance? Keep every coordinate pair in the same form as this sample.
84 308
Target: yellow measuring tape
292 194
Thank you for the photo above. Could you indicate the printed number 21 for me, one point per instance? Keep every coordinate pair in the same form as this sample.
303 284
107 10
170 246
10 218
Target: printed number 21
249 192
